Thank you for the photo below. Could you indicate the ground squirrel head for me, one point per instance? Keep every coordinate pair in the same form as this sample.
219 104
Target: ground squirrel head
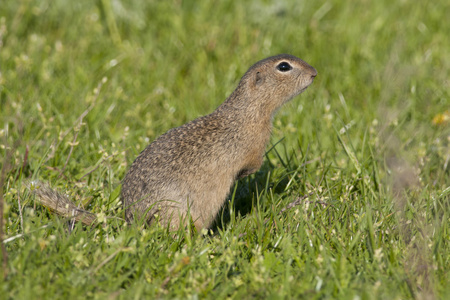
275 80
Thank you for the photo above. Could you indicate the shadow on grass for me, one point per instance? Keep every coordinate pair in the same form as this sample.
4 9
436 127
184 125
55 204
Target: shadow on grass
245 192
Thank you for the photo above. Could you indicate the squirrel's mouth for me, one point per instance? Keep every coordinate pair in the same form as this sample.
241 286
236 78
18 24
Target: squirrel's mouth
298 92
304 88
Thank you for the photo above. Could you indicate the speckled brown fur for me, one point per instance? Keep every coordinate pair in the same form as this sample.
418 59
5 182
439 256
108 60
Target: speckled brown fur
192 167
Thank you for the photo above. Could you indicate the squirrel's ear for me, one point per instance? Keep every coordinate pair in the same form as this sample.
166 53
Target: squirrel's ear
259 78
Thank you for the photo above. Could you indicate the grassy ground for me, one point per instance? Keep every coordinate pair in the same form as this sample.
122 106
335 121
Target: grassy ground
86 85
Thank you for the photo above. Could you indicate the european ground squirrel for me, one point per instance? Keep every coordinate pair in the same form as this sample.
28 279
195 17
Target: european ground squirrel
189 170
192 167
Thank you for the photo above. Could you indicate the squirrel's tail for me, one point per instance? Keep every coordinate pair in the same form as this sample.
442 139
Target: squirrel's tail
60 204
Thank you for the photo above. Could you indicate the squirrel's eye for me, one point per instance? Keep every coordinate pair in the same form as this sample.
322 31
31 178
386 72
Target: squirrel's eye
284 67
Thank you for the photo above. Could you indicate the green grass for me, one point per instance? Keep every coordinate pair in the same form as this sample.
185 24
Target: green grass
361 139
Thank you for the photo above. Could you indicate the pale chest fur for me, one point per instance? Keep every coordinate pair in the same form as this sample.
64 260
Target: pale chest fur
255 147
